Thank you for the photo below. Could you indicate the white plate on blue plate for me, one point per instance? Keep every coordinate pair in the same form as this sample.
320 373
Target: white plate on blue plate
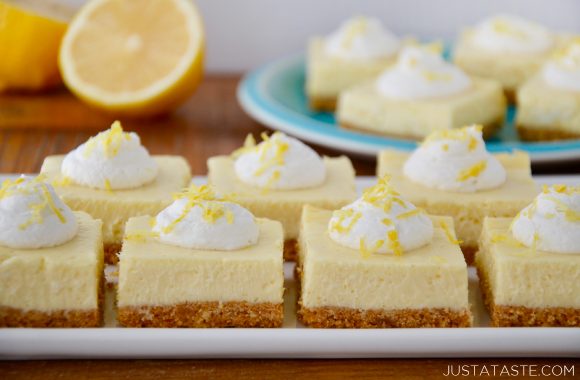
274 95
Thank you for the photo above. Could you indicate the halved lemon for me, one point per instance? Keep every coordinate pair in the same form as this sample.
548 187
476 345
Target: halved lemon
30 35
134 57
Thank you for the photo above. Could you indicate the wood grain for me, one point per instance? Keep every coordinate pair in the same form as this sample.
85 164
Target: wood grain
262 369
210 123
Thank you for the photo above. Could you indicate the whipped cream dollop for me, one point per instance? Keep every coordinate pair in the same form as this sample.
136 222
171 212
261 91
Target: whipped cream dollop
33 216
563 69
361 38
279 162
421 72
111 160
512 34
455 160
552 222
381 221
201 220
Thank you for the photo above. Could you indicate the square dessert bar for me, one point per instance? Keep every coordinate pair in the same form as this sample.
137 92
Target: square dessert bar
546 112
425 287
523 286
162 285
364 108
58 286
286 205
327 76
467 209
510 69
115 207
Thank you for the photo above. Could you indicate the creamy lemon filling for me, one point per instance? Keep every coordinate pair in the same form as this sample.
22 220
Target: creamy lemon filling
381 221
551 222
455 160
563 69
279 162
33 216
421 72
201 220
111 160
512 34
361 38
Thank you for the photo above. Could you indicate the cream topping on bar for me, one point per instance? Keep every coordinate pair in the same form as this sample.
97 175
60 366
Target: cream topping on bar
455 160
200 219
551 222
382 222
362 38
563 69
32 215
111 160
279 162
421 72
512 34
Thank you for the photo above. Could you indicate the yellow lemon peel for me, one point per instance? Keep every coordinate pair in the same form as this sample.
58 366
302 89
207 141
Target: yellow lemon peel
110 141
473 171
450 236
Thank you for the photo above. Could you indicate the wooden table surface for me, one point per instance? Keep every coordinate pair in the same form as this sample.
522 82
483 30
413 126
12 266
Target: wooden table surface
210 123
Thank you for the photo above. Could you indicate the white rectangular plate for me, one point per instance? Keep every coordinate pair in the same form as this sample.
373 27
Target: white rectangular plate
293 340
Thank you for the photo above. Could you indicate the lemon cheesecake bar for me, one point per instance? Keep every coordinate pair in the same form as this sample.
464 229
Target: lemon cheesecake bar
203 262
421 94
505 48
529 266
549 103
380 262
277 177
51 259
451 173
112 178
359 50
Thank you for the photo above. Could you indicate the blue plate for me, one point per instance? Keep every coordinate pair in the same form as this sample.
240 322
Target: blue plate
274 95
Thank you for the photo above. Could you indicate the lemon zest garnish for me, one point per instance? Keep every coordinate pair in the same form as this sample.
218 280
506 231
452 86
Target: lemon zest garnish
51 205
249 145
367 252
110 140
387 222
140 236
204 197
342 215
409 214
472 143
108 185
472 171
394 244
445 147
433 76
448 233
498 237
62 182
382 195
458 134
503 27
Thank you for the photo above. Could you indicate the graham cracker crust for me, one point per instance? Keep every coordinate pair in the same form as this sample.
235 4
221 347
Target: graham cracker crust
290 250
12 317
322 104
203 314
342 317
544 134
521 316
488 130
111 253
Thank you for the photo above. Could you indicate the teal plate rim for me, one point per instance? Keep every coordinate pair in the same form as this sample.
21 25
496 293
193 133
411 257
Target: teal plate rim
273 94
